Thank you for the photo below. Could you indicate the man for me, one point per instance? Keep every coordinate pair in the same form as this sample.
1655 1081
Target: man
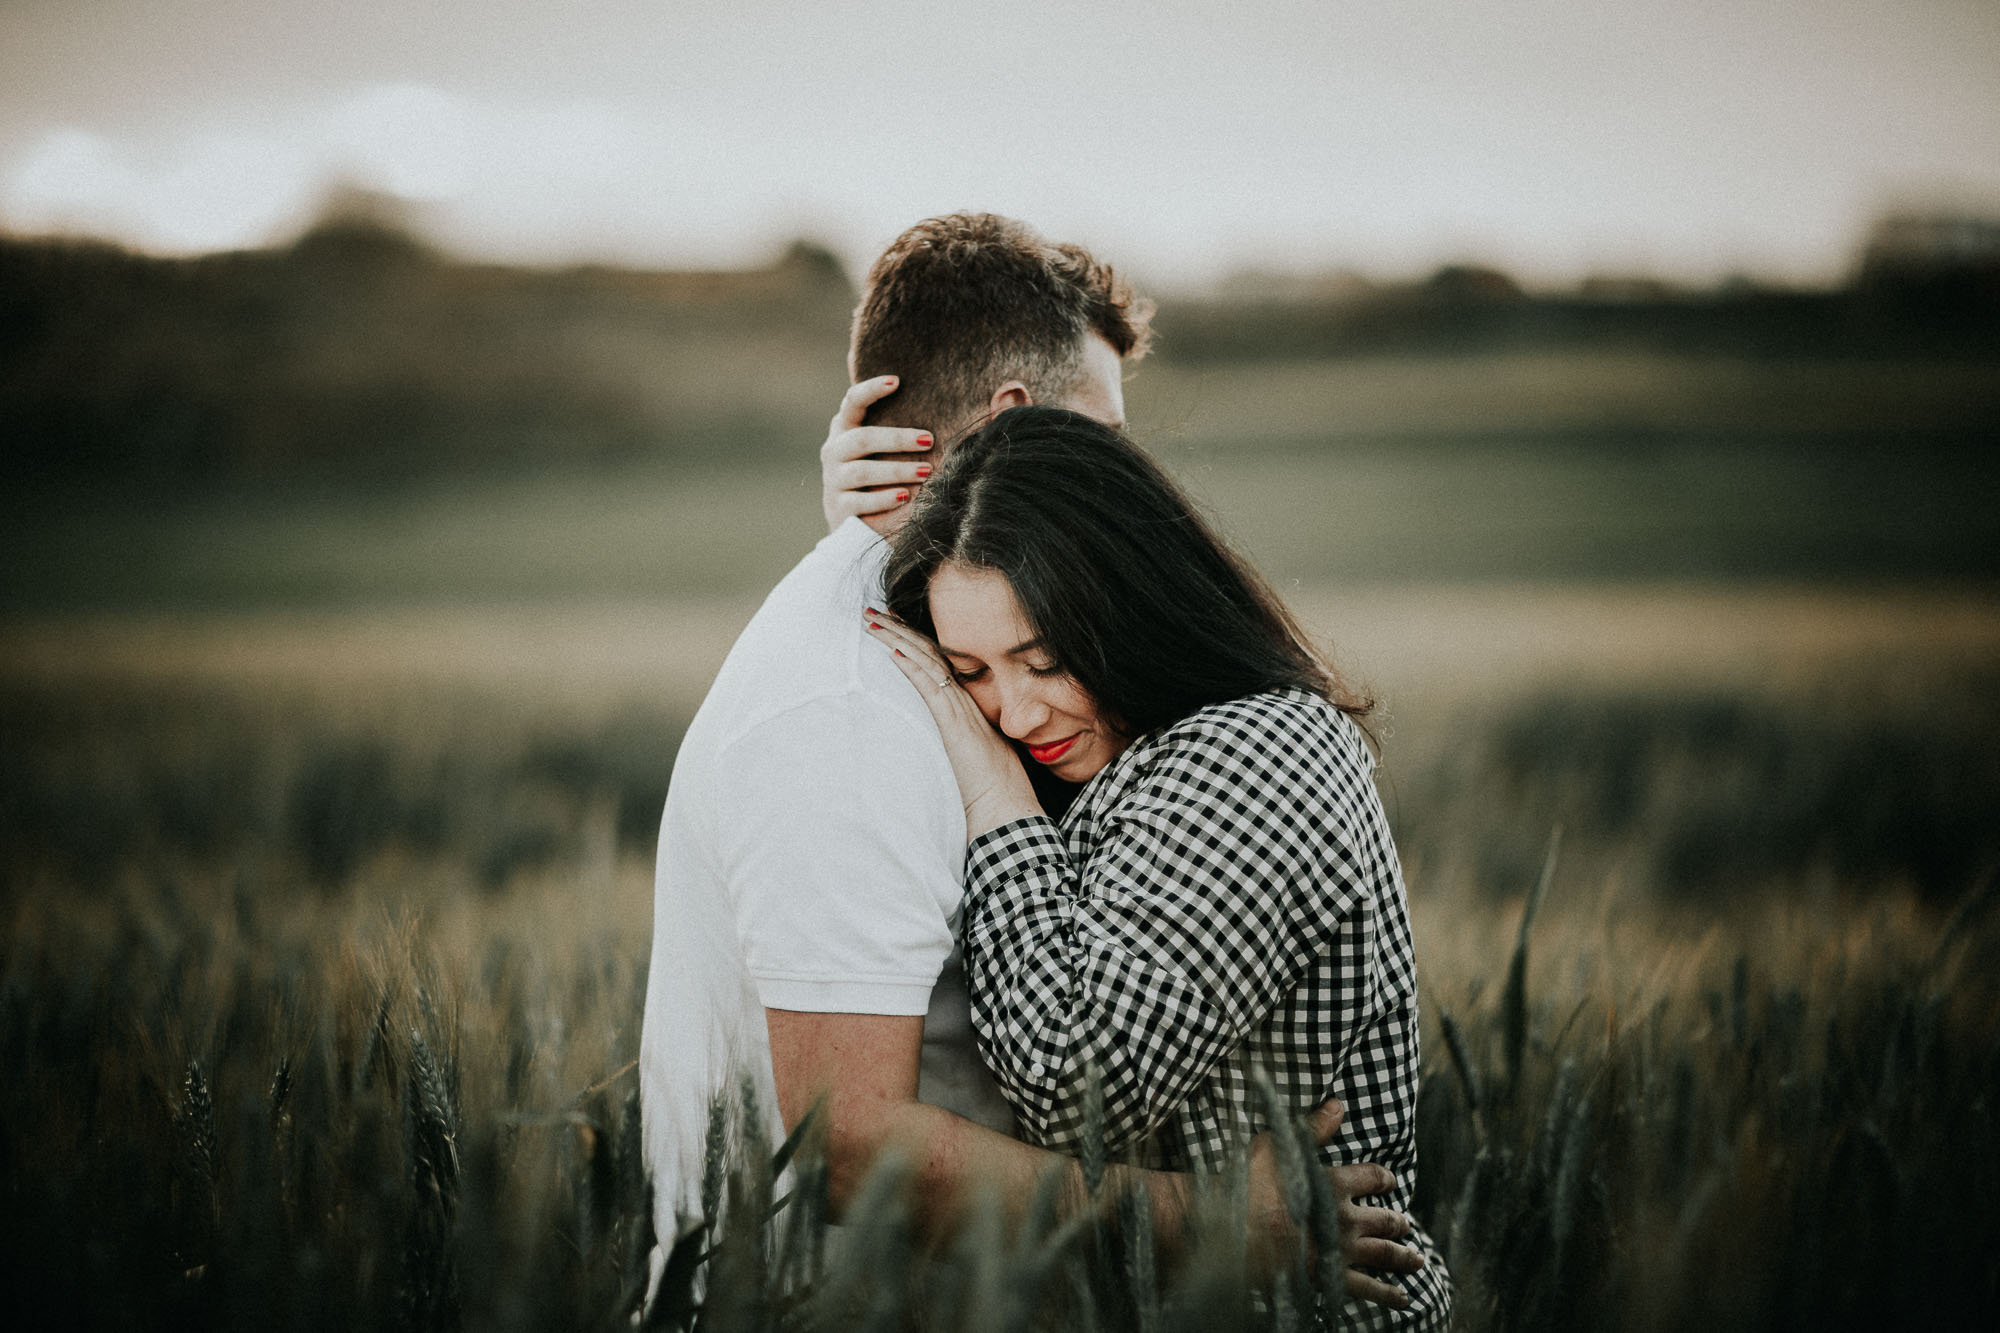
813 842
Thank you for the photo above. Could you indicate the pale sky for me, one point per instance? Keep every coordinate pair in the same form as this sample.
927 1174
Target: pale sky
1694 138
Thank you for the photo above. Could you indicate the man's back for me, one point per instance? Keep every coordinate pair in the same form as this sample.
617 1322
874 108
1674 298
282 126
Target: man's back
810 859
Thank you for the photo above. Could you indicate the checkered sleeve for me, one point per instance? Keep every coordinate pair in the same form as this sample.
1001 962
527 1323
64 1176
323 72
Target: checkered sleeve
1150 950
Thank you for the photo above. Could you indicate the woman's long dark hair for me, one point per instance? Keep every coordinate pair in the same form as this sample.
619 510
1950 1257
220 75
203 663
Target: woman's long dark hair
1128 589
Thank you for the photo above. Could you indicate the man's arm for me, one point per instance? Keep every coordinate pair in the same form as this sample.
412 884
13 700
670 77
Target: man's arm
862 1069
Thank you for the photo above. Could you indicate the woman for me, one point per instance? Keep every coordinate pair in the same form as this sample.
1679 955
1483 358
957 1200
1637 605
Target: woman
1222 895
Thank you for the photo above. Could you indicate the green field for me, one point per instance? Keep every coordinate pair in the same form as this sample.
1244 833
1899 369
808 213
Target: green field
1574 466
1451 512
326 938
328 813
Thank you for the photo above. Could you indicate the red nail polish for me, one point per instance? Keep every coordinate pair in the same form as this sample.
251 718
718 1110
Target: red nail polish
924 441
897 651
901 496
923 469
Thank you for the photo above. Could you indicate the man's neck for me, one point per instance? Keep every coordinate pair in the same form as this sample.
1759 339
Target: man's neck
889 522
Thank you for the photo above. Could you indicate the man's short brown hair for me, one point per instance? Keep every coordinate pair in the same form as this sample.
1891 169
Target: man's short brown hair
958 305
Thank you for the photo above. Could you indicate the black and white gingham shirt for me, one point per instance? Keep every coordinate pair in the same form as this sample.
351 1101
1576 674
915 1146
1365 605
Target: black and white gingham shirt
1224 895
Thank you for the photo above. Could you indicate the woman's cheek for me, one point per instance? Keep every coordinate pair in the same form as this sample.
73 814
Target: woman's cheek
1076 701
989 703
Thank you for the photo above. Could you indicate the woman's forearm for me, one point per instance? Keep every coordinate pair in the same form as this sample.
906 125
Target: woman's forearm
1048 986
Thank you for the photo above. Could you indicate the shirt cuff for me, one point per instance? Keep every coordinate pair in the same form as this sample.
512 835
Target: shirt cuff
1012 850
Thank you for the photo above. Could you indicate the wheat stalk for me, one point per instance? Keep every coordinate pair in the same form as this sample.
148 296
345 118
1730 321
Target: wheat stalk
1514 998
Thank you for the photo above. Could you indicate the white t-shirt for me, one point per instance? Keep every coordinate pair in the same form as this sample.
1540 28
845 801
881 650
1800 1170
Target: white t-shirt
810 858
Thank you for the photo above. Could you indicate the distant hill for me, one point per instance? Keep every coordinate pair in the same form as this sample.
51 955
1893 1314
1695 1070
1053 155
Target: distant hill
360 353
359 350
1926 286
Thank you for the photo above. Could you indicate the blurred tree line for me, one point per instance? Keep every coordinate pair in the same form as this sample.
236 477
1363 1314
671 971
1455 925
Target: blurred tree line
1925 286
360 352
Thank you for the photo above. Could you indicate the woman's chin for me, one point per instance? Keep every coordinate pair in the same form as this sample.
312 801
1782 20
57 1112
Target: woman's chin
1077 767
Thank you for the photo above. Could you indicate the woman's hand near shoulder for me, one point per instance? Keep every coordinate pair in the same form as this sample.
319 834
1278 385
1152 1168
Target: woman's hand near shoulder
855 478
991 781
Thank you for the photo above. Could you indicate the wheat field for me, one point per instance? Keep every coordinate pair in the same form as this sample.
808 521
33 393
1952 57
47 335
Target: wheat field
325 946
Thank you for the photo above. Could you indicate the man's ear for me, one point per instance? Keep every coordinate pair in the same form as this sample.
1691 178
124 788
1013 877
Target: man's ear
1011 394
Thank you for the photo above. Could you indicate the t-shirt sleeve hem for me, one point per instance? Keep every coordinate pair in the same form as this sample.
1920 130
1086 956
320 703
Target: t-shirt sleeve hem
902 999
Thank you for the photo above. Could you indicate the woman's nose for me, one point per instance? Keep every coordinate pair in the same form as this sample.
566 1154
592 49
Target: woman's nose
1022 710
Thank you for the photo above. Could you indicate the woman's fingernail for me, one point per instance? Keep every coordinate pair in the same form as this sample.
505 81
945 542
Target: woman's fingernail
923 470
897 651
889 380
901 496
924 441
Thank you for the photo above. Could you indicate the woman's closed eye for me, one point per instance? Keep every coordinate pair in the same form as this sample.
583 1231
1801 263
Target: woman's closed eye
968 675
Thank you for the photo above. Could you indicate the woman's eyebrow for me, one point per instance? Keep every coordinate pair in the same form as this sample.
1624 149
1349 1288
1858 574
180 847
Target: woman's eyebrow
1031 646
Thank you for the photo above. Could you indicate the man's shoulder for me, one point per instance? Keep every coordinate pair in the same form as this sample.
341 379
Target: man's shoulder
805 686
801 647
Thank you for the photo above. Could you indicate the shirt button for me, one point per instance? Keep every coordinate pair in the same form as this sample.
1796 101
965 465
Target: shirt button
1035 1070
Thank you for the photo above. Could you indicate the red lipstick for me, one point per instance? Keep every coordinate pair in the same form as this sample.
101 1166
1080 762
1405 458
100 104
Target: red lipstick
1048 754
